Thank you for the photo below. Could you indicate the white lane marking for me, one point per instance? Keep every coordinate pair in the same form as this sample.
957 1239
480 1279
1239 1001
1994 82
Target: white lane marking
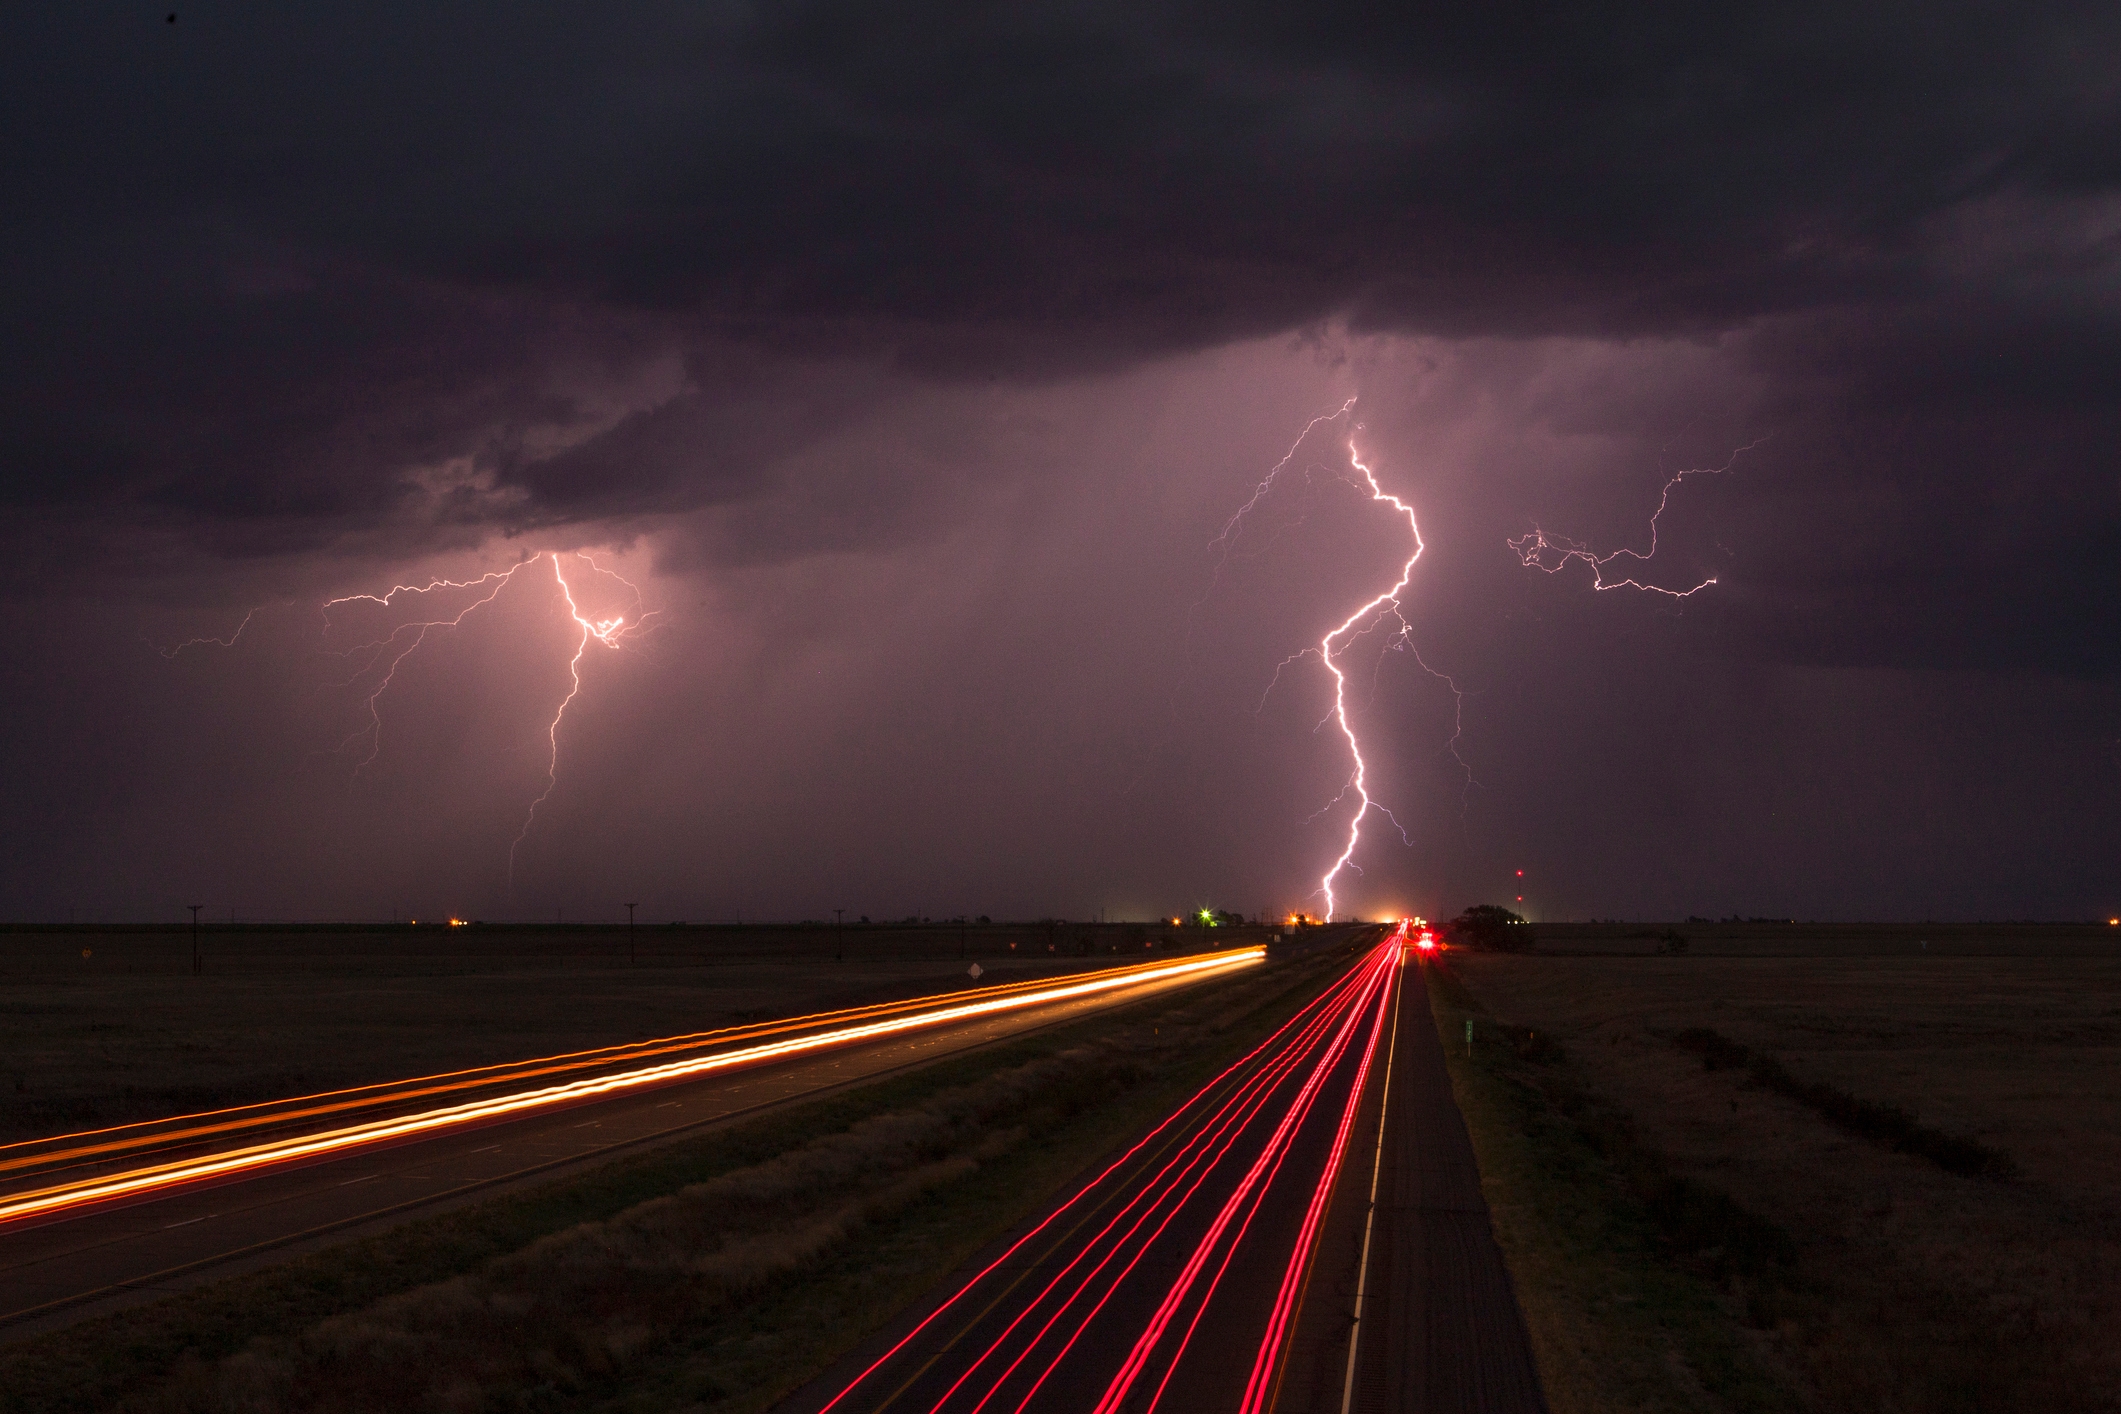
189 1221
487 1150
362 1179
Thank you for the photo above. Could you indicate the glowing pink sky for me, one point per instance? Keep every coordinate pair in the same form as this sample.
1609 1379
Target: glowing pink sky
910 366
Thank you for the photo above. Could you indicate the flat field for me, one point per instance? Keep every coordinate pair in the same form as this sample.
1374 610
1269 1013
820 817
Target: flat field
1914 1286
717 1272
103 1026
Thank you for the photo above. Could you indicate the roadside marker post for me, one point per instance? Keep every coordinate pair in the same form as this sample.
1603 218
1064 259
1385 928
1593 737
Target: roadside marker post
1469 1036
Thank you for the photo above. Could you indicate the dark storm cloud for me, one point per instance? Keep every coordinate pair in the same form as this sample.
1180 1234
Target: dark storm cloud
282 277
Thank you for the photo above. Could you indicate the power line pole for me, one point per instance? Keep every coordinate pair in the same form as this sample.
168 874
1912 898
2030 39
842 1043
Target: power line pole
195 907
839 949
629 934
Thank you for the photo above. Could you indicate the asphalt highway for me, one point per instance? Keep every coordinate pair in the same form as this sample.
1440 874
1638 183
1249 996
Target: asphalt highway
1234 1259
72 1262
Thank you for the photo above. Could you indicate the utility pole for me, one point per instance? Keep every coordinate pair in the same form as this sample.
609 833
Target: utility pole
839 950
195 907
961 937
629 933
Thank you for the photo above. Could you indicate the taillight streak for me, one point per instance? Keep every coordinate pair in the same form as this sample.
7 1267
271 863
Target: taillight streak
1322 1004
1219 1133
1258 1200
1144 1345
1270 1345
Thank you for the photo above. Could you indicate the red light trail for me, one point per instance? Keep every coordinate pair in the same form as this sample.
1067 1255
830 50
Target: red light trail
54 1200
1103 1301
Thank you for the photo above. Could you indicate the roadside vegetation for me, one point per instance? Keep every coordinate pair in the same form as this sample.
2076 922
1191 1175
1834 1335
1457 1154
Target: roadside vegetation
1630 1275
718 1274
1835 1171
1891 1125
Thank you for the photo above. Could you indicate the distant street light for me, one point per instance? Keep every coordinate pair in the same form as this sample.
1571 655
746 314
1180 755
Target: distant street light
195 907
629 933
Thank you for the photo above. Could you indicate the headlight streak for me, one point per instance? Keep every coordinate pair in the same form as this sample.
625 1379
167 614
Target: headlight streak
267 1114
1051 1328
48 1202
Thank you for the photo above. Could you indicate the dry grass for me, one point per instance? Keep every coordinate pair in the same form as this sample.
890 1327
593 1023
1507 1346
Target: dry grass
1915 1288
575 1308
1629 1275
721 1293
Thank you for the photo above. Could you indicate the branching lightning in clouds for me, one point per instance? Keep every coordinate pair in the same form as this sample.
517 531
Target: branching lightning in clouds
401 643
1538 550
376 663
394 649
228 642
1380 612
608 631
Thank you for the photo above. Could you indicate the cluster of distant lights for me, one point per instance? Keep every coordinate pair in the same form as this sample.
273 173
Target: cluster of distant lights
1413 928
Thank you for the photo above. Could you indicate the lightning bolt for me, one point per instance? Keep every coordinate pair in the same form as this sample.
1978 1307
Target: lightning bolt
228 642
1380 611
609 632
1234 525
1551 554
375 663
1383 606
388 647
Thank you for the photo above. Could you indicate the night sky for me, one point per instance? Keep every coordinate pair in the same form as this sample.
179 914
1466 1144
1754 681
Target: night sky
909 361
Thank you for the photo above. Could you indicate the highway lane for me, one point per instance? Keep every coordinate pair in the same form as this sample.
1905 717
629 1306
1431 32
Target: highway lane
1174 1277
1124 1295
1439 1325
102 1258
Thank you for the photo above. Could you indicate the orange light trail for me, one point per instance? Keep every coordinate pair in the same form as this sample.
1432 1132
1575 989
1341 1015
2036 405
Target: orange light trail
146 1133
58 1199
